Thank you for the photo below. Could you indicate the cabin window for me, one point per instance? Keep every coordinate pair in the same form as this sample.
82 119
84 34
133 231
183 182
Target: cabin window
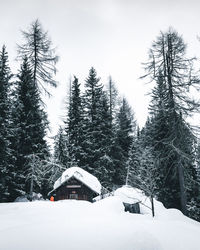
73 196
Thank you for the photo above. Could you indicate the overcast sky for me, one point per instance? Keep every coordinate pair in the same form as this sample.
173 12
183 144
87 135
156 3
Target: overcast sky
113 36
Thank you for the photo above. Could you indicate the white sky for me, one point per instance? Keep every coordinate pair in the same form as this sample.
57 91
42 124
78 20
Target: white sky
113 36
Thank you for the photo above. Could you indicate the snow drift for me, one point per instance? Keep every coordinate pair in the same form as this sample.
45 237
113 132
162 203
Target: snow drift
81 225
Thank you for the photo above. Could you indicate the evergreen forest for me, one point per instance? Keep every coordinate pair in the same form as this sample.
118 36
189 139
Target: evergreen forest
100 132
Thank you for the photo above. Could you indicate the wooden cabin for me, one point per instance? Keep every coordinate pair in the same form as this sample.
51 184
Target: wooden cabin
77 184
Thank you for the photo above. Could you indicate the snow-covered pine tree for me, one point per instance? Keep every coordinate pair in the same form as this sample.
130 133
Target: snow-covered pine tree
34 173
60 160
74 125
97 133
167 60
31 122
113 100
61 154
17 184
125 128
142 171
92 121
105 166
6 170
193 205
154 135
187 147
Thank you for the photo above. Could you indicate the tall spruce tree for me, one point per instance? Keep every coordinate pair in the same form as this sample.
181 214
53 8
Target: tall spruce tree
61 152
74 126
92 131
105 165
155 134
5 164
123 141
97 130
113 101
168 62
32 124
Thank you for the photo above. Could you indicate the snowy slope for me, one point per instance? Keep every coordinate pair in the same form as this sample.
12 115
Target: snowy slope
72 224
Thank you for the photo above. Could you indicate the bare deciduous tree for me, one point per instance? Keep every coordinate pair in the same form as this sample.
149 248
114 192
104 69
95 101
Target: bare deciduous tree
41 56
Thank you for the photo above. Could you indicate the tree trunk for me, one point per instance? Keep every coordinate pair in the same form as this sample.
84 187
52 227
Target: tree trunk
152 206
183 197
174 118
127 175
31 187
35 59
110 93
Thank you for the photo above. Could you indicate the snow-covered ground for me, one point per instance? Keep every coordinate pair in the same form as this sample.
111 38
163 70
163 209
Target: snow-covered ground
71 224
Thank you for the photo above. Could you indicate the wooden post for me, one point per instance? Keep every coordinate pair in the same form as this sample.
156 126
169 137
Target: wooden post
152 206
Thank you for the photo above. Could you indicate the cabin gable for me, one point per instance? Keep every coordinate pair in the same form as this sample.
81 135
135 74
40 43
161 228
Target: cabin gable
74 189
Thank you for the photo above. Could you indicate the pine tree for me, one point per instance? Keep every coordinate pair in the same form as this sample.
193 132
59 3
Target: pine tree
193 205
113 100
74 128
123 142
61 156
167 62
5 166
155 134
32 124
143 171
97 131
17 183
105 165
57 163
159 135
92 121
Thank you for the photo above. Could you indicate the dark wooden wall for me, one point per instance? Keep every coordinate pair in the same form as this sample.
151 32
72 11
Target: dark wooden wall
74 189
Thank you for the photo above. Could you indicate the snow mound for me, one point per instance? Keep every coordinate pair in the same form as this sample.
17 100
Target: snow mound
133 195
110 204
81 175
172 214
130 194
81 225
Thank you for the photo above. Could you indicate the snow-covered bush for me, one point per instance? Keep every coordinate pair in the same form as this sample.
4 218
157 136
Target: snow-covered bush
26 198
37 197
21 199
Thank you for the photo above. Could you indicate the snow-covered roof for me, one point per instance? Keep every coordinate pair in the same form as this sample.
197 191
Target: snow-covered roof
86 178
